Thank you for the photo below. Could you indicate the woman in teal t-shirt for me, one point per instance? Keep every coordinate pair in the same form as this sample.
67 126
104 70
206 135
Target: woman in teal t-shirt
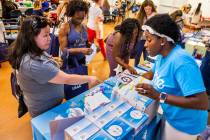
176 81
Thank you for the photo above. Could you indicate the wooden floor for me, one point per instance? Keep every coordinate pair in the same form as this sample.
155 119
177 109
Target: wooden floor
12 128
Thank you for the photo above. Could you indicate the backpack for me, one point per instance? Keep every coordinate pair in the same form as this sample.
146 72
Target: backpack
18 94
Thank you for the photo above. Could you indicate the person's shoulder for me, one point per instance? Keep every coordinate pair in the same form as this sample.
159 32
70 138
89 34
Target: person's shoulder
117 35
64 28
181 57
118 39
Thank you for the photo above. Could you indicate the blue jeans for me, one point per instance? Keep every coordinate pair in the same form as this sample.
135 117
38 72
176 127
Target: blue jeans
139 49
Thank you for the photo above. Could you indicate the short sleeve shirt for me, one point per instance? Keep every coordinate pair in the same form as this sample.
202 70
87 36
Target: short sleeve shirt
179 75
94 12
33 77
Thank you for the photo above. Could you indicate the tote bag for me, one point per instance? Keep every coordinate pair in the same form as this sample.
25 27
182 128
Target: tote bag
74 90
18 94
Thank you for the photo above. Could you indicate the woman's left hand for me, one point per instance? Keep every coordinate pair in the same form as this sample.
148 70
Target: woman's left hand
132 70
58 60
147 90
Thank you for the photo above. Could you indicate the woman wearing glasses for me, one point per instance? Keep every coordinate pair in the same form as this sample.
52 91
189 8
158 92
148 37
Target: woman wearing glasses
176 81
39 75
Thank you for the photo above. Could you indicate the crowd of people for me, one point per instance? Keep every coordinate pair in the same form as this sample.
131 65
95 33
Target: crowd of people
184 101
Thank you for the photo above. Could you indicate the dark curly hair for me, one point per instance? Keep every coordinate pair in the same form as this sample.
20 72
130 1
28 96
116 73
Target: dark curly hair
126 29
25 43
74 6
163 24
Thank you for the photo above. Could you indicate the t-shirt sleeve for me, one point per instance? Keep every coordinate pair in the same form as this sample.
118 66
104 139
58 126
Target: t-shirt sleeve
97 12
153 67
189 79
43 71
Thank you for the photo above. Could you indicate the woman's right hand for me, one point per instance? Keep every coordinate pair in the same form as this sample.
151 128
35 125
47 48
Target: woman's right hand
86 51
93 81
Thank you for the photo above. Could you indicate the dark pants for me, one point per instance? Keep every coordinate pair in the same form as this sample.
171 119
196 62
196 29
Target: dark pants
139 49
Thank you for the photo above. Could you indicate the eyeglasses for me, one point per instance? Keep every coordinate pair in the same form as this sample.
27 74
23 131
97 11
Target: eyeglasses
39 22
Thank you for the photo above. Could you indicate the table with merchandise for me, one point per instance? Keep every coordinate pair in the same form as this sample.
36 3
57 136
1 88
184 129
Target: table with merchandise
109 111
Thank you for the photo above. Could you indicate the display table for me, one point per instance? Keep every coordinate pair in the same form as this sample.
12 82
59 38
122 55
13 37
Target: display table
41 124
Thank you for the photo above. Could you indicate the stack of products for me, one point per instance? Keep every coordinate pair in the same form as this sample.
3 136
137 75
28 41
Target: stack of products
124 115
117 120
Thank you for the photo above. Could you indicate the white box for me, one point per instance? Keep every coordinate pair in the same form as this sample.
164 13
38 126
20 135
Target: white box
93 116
119 130
135 119
121 109
101 135
94 100
86 133
113 105
75 128
103 120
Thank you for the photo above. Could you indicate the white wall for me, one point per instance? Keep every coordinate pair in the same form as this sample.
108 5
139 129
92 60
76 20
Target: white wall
205 7
168 6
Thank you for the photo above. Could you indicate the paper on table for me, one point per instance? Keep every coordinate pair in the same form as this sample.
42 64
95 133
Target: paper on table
90 57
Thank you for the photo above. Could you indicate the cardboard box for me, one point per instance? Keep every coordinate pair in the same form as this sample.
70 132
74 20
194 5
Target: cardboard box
71 131
93 116
113 105
119 130
121 109
135 119
103 120
101 135
94 100
142 134
130 95
86 133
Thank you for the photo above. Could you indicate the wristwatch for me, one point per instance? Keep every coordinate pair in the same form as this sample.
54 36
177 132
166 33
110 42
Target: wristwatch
163 96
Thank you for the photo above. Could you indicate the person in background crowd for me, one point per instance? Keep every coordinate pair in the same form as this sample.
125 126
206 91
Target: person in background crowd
39 75
147 10
37 10
7 7
186 13
205 70
186 9
120 45
195 18
184 101
116 11
54 2
45 6
61 10
197 15
95 25
177 17
106 10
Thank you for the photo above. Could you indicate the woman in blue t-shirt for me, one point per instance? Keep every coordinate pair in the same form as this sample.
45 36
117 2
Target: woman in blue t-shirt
176 81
